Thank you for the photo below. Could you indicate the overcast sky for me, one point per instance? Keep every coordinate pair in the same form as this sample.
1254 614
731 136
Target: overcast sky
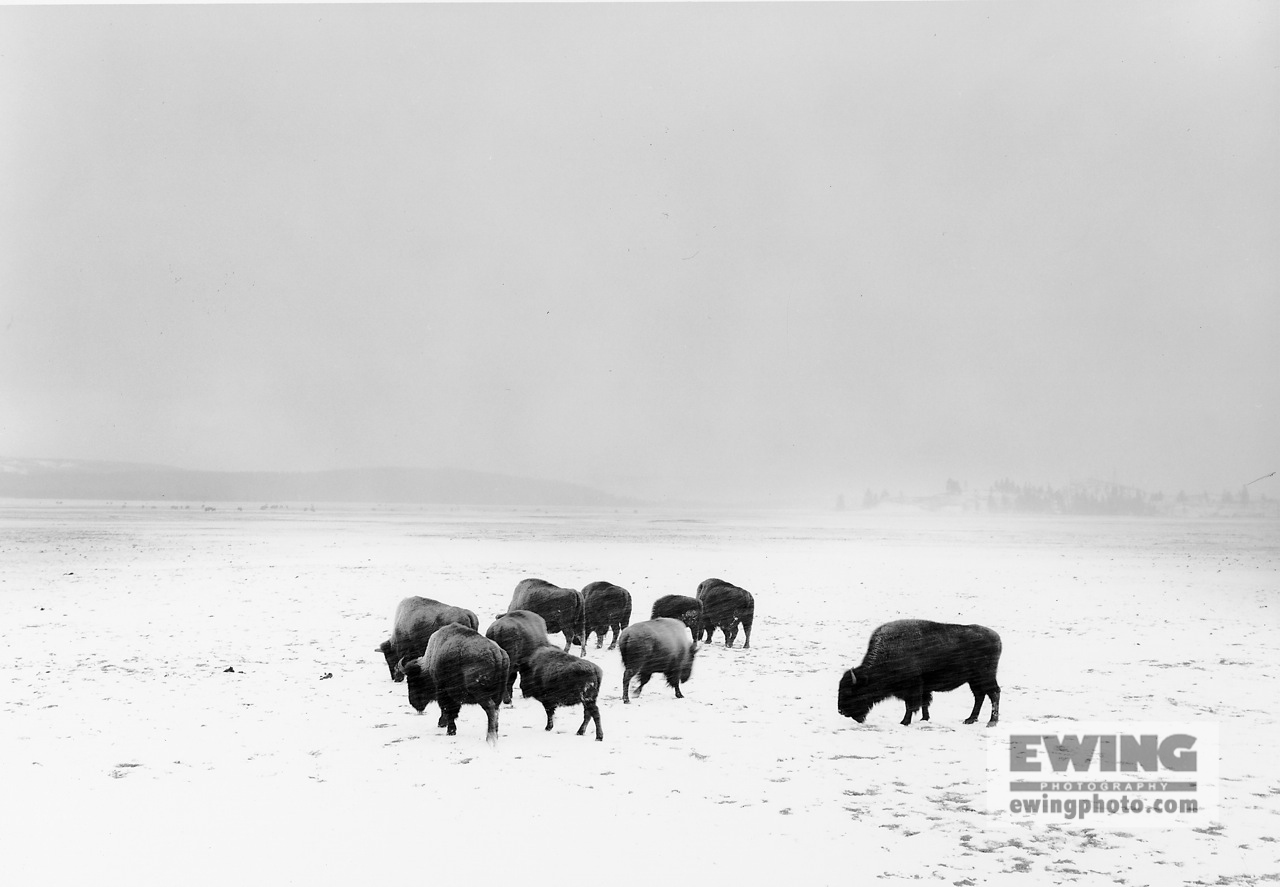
663 249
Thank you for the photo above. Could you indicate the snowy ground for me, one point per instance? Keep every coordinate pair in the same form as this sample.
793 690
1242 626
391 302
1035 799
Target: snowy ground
131 755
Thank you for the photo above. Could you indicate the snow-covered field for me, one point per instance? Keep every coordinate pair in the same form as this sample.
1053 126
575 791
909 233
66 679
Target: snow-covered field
132 753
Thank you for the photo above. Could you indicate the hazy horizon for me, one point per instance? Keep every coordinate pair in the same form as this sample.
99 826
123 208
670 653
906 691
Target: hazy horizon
703 251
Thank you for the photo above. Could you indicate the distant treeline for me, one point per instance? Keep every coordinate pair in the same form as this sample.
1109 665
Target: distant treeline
1091 497
1094 498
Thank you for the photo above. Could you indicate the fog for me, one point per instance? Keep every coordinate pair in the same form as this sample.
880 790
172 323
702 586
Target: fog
728 251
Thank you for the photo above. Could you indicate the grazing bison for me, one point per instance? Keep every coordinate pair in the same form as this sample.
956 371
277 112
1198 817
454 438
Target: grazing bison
519 633
659 645
679 606
913 658
554 677
461 667
608 606
725 606
417 618
560 607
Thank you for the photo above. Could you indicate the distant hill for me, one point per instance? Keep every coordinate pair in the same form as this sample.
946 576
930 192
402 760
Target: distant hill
77 479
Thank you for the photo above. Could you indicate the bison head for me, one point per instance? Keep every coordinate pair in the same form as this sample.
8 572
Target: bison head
421 689
389 652
855 697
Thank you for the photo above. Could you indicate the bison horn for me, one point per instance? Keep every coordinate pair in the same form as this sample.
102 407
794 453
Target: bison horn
853 678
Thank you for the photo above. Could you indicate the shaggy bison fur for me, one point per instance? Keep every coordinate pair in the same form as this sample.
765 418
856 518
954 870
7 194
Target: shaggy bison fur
660 645
561 607
416 619
725 606
519 633
460 667
914 658
556 678
679 606
608 607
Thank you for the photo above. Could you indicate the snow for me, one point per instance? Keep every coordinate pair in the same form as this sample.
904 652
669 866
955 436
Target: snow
131 754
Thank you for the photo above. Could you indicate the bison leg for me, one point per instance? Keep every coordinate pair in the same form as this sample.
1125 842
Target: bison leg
644 679
510 685
617 627
551 713
449 715
627 675
979 694
924 705
491 712
591 711
913 699
746 632
676 684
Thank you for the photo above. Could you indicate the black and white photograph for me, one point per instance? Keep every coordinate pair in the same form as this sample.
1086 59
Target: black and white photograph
640 443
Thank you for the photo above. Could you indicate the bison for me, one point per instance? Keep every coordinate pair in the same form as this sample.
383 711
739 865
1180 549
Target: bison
554 678
460 667
725 606
913 658
560 607
417 618
608 606
519 633
659 645
678 606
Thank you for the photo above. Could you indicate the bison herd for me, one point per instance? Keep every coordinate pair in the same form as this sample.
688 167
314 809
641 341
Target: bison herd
438 651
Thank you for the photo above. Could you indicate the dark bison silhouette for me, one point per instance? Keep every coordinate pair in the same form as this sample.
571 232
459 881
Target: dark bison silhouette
556 678
561 607
660 645
460 667
914 658
608 606
416 619
725 606
519 633
679 606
